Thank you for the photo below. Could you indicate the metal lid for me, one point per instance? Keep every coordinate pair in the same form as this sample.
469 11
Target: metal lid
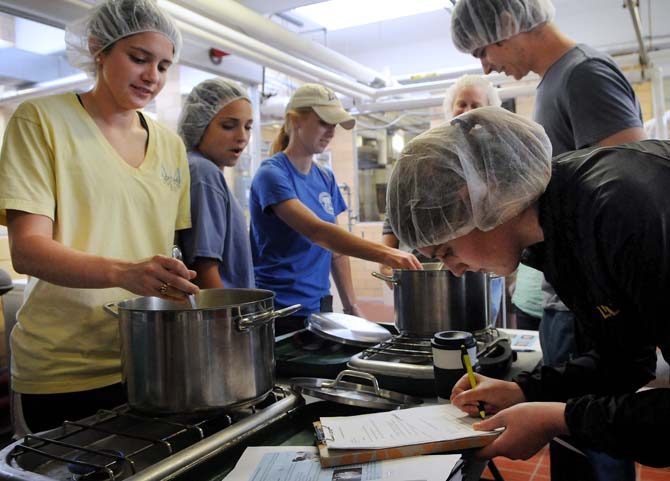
353 394
346 329
6 284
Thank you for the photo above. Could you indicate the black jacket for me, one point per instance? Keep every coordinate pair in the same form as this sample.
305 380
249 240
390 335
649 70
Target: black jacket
606 222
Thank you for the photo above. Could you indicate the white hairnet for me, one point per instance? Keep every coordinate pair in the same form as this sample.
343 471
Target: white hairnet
111 21
202 104
469 81
478 23
477 171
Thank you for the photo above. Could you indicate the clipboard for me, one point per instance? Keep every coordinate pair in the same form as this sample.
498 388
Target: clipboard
340 457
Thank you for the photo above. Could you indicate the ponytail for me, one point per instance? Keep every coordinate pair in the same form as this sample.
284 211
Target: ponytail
280 142
284 136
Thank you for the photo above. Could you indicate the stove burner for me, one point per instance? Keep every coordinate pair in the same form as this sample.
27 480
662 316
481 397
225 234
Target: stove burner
405 363
103 464
401 349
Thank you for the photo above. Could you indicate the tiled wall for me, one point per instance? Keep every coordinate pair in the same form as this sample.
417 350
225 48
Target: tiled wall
346 171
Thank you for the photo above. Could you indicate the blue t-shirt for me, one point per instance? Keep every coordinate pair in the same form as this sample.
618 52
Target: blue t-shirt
219 227
286 262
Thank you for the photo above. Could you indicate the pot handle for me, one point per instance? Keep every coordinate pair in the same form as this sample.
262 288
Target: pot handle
109 309
256 320
351 373
385 278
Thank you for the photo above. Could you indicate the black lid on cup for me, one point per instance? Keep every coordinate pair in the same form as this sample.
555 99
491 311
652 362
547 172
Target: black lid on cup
453 339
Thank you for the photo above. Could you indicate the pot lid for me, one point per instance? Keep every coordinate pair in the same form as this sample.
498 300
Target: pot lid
6 284
347 329
353 394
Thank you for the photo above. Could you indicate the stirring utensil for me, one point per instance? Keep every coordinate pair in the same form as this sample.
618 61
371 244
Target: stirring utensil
176 253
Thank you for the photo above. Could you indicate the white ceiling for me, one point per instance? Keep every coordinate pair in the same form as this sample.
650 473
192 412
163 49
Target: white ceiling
274 6
422 43
418 44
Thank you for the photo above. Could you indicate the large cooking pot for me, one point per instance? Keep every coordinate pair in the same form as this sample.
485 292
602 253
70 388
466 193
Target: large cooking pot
433 299
179 359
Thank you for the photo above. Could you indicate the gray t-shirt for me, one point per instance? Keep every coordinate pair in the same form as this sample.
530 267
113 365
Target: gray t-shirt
583 98
219 228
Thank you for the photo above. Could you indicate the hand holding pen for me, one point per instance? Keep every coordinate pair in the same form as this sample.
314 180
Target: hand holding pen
471 376
495 394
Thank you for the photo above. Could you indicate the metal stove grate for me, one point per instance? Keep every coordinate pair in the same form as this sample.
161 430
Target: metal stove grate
117 444
412 350
117 423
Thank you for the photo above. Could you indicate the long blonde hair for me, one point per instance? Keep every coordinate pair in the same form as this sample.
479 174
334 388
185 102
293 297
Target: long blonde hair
284 136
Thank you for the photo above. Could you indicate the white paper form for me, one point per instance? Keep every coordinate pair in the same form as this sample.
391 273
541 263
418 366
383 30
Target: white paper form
296 463
523 340
426 424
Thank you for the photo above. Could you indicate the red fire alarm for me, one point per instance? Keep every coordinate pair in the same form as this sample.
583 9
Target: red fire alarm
215 55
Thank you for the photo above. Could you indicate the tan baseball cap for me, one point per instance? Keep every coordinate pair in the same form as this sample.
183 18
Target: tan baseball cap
324 102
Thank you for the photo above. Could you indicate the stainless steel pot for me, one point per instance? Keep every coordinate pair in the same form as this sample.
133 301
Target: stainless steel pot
432 300
177 359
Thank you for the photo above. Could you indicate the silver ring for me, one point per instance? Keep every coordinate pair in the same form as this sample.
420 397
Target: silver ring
163 289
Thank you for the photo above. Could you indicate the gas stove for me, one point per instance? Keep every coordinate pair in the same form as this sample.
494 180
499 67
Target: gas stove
120 444
405 363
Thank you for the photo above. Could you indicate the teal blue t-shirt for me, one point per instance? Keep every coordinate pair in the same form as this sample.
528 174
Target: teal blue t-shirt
527 293
219 227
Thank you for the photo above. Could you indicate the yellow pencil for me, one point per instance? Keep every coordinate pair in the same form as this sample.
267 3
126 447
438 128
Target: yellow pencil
471 376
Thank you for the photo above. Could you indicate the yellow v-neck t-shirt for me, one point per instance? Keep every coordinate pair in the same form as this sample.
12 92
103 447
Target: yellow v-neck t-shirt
56 162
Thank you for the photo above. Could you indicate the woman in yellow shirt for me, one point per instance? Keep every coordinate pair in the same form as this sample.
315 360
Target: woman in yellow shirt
92 191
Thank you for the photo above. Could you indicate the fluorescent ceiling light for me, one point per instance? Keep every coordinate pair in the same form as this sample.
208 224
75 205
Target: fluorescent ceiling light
338 14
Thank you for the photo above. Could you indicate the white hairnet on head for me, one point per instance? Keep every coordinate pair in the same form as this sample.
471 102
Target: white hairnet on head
202 104
463 82
111 21
478 23
477 171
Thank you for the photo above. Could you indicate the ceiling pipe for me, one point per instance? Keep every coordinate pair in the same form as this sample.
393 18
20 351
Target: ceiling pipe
235 42
244 19
444 74
635 16
68 84
396 105
435 101
658 102
658 58
495 79
306 74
